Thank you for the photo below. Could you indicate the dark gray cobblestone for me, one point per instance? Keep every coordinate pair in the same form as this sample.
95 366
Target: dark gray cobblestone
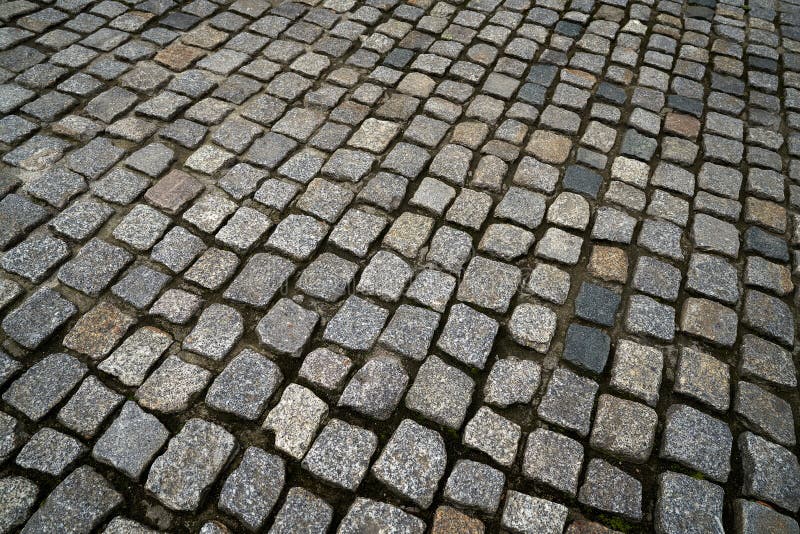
399 266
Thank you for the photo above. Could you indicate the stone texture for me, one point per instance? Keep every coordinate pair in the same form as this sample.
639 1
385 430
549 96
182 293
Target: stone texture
751 517
245 386
250 492
468 335
568 401
494 435
523 513
341 454
686 504
18 495
770 472
193 460
45 384
610 489
412 463
697 441
440 393
365 514
553 459
556 239
78 504
624 428
131 442
38 317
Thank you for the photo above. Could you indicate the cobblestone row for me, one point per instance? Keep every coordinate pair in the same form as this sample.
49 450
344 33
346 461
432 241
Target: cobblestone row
399 266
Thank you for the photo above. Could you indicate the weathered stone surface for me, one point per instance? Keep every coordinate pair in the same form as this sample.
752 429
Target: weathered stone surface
624 428
610 489
176 306
366 514
295 420
767 361
765 413
341 454
173 192
686 504
94 266
78 504
250 492
45 384
50 452
440 393
171 387
89 407
412 463
325 369
475 485
259 280
637 370
769 316
697 441
565 231
35 257
376 388
494 435
98 331
523 513
17 495
553 460
132 360
752 517
131 442
770 472
568 401
533 326
245 386
468 335
512 381
450 521
586 347
357 324
192 462
302 511
704 378
38 317
217 330
709 320
287 327
385 277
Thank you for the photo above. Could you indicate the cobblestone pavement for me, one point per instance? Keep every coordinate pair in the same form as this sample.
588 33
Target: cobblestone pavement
385 266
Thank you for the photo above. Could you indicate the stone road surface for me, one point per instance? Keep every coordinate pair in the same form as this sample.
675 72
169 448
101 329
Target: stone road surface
399 266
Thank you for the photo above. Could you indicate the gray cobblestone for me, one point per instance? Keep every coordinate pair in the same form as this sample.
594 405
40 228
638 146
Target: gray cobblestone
400 202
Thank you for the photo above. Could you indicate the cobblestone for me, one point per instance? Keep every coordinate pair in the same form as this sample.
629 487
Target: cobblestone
475 485
412 463
697 441
193 460
131 442
341 454
398 265
609 488
685 504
